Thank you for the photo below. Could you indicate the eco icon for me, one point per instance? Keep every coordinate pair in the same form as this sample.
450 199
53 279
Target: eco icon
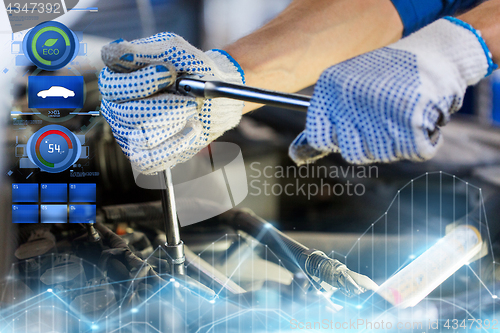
50 42
51 45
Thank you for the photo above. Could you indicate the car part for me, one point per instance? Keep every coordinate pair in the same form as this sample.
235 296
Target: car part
325 271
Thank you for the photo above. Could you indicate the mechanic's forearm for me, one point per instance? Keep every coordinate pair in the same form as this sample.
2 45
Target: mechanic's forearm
290 52
486 18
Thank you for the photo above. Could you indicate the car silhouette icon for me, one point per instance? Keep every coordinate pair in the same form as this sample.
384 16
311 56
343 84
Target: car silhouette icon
56 91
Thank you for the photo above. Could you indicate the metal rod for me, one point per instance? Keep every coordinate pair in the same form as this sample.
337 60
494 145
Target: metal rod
214 89
174 245
169 210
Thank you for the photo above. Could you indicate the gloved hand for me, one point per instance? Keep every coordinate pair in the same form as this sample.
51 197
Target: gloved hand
388 104
157 129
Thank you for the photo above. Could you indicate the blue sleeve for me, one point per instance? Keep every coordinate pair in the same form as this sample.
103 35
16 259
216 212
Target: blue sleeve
416 14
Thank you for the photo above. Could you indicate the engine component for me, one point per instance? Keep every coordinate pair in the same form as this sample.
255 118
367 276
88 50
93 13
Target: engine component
66 270
97 297
40 241
199 267
325 271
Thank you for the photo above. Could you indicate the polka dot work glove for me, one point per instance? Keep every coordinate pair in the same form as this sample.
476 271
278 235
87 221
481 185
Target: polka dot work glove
157 129
388 104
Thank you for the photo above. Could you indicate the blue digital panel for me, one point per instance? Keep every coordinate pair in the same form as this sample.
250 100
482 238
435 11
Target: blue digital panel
64 92
82 213
24 213
82 192
54 192
54 213
53 148
24 192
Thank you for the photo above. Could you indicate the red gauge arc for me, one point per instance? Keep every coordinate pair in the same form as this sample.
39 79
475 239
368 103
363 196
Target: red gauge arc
37 145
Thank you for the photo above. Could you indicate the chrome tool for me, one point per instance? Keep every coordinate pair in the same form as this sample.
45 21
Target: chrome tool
199 86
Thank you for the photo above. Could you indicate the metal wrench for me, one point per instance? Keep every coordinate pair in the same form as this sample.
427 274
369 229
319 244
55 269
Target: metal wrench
196 86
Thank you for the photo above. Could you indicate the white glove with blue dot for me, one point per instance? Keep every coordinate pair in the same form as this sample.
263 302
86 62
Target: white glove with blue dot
388 104
157 129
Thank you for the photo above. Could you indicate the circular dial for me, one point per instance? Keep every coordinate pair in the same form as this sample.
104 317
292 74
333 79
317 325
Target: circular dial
54 148
50 45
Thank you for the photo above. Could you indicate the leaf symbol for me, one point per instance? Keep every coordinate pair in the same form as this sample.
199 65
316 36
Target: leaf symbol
49 42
